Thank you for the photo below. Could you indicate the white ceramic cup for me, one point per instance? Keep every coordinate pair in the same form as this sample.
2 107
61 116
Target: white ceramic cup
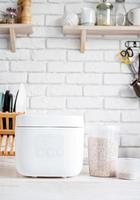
134 16
88 16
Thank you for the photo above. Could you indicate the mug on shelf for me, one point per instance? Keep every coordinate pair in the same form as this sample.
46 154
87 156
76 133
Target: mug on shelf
88 16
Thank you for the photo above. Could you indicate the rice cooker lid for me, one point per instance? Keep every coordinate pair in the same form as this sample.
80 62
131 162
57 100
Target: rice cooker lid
50 121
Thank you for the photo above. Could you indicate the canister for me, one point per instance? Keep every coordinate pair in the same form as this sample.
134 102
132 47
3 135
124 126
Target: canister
103 151
104 14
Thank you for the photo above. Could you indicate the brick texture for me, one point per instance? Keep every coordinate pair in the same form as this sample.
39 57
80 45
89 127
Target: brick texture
61 79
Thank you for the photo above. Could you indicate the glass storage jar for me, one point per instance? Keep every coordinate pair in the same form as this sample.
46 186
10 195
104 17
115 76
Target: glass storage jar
104 14
103 151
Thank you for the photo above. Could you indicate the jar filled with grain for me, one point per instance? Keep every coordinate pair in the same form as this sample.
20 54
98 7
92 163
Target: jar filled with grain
103 151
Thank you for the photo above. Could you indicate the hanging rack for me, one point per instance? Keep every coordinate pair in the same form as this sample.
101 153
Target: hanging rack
132 44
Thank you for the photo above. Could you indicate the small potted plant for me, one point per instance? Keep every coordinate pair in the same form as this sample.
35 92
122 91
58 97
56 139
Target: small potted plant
11 15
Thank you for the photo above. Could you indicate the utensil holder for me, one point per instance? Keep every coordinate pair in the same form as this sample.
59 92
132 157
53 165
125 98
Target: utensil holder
7 133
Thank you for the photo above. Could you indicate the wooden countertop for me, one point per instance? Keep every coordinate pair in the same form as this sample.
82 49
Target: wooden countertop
83 187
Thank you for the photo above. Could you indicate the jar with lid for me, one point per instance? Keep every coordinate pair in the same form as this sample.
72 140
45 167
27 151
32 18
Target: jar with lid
103 151
104 14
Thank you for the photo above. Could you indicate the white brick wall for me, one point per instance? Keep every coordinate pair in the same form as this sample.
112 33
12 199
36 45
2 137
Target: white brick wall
61 79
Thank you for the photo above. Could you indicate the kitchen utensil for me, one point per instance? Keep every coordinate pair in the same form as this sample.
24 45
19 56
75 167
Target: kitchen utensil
71 19
127 53
14 108
128 168
133 16
1 101
132 70
8 107
104 14
88 16
136 82
6 101
21 99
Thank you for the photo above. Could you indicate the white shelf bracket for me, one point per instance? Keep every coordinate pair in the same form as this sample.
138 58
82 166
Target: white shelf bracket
83 41
12 39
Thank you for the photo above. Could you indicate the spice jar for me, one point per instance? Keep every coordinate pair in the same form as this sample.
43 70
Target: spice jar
104 14
103 151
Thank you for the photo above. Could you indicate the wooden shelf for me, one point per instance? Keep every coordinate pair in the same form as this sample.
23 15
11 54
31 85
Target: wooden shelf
99 30
13 30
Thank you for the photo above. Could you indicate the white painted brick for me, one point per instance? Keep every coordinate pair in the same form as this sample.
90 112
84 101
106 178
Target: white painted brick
54 32
84 102
18 55
30 66
87 56
3 43
46 78
102 116
121 103
102 90
30 43
6 77
39 31
48 8
63 43
53 20
31 90
102 44
131 116
130 141
111 56
38 20
84 78
65 67
102 67
128 128
49 55
64 90
50 63
4 65
36 90
51 32
47 102
117 79
129 152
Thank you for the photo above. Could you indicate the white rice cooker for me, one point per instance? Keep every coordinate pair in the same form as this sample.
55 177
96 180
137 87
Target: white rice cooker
49 146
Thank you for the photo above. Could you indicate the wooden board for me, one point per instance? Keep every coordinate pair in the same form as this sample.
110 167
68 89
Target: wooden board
103 30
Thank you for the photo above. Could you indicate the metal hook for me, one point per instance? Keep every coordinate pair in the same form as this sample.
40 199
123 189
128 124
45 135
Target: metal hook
132 44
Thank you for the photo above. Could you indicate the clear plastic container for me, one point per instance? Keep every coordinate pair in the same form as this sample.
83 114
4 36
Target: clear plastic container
103 151
128 168
120 13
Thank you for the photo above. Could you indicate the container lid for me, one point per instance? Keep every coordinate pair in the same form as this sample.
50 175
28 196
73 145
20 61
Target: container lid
104 6
50 121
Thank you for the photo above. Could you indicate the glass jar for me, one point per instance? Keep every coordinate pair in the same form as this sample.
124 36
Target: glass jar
104 14
120 13
103 151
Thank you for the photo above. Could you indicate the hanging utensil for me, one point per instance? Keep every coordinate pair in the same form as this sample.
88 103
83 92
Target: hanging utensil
136 82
